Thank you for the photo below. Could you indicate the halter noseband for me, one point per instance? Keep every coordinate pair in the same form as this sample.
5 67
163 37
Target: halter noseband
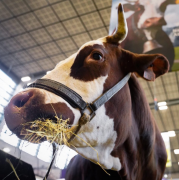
75 100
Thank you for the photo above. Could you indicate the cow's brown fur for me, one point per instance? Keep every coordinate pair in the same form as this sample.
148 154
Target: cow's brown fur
139 145
139 153
86 69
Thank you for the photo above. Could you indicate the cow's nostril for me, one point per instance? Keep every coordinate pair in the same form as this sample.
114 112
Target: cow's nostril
20 103
22 99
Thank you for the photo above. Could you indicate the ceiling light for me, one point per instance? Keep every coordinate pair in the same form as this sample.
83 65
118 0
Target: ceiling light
162 103
178 163
6 149
176 151
171 133
48 72
26 78
163 107
165 175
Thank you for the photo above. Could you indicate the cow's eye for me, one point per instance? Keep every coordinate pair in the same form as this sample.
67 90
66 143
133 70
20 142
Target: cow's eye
97 56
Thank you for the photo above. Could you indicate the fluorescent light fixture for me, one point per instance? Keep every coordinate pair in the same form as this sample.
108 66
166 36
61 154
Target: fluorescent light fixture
26 78
171 133
165 175
6 149
48 72
176 151
178 163
162 103
163 107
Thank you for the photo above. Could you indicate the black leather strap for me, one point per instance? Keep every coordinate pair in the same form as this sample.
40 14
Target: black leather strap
61 90
75 99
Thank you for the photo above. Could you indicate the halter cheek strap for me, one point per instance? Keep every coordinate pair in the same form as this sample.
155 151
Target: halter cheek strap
74 99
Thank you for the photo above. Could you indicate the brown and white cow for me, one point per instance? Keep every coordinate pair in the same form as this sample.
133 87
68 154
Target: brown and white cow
123 130
145 28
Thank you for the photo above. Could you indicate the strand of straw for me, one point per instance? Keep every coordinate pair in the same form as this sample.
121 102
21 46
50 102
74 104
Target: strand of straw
8 160
59 133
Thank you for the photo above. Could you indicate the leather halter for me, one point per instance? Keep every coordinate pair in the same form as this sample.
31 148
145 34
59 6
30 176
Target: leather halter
75 100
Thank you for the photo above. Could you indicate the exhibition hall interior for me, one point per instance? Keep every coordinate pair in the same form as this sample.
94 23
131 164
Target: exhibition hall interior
38 35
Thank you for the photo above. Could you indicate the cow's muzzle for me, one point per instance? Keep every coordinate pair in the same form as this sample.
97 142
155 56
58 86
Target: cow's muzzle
13 112
30 105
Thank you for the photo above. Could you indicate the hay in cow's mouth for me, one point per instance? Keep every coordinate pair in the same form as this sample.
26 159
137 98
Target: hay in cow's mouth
58 132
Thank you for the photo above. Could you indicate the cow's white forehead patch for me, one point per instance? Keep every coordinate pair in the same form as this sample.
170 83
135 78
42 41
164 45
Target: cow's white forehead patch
151 11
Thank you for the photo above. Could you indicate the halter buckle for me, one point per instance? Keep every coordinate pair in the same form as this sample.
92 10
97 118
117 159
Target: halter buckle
92 111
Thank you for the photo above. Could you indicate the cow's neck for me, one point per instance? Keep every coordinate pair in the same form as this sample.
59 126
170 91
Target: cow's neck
135 144
122 133
100 135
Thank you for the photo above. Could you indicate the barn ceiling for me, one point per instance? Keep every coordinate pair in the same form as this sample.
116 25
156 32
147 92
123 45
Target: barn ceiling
36 35
166 88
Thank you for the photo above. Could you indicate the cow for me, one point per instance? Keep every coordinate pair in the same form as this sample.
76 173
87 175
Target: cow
145 28
97 89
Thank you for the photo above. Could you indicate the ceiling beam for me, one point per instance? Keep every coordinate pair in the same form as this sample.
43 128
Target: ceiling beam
169 103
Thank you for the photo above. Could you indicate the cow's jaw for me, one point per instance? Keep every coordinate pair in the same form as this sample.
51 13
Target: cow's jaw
98 133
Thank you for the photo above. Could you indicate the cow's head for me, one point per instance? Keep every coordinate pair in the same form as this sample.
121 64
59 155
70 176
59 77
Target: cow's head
96 67
149 13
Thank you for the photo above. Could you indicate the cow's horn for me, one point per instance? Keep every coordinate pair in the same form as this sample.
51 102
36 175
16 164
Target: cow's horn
121 32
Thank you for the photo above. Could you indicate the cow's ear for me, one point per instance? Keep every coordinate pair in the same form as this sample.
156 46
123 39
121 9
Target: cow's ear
148 66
